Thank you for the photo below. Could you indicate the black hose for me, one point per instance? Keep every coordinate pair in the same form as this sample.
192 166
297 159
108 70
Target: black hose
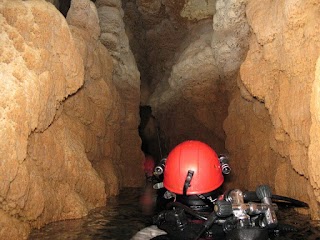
207 224
294 202
286 228
187 209
252 196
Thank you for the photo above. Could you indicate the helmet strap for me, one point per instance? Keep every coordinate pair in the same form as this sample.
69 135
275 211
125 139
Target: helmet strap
187 181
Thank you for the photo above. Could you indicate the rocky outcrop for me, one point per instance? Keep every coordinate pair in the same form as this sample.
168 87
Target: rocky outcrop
164 36
156 31
38 72
70 94
271 122
61 116
93 114
192 89
313 151
276 82
191 101
126 78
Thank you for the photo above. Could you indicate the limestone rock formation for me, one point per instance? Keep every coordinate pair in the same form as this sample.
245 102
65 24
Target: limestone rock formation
191 101
126 78
313 151
198 9
240 75
279 73
271 121
38 72
186 98
61 116
93 113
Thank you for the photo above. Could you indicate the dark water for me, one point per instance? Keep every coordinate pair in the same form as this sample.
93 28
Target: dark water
122 218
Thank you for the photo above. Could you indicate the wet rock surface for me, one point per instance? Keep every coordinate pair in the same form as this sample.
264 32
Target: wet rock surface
122 218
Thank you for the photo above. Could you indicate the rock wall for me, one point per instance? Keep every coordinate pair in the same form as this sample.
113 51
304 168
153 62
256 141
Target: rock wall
277 81
94 112
271 121
61 117
313 151
70 94
38 73
165 32
126 78
191 100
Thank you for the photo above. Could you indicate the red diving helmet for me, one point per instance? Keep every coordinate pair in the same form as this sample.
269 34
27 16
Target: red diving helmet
192 167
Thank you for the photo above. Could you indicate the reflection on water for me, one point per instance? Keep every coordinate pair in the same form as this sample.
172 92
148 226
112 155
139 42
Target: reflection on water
122 218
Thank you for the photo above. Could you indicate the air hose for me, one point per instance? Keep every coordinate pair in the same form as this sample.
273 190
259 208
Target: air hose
286 228
294 202
252 196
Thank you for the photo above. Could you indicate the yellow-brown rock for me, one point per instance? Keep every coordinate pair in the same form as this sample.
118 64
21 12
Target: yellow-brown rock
60 116
126 78
191 101
313 154
243 77
38 71
279 73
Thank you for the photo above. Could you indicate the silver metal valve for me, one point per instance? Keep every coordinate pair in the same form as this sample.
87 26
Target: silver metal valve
264 194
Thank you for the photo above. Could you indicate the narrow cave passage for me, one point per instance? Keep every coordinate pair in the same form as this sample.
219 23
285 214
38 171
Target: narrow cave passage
85 94
201 80
153 142
187 102
190 77
157 40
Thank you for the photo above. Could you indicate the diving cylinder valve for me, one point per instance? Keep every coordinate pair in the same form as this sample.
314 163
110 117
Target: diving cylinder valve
235 197
264 194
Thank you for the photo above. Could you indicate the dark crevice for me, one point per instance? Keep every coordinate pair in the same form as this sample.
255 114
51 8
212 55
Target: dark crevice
153 140
145 114
64 6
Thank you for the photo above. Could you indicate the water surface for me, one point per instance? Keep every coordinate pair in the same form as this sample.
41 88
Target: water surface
122 218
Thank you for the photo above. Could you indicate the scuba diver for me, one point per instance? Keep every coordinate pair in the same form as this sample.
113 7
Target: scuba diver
148 166
148 194
196 206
